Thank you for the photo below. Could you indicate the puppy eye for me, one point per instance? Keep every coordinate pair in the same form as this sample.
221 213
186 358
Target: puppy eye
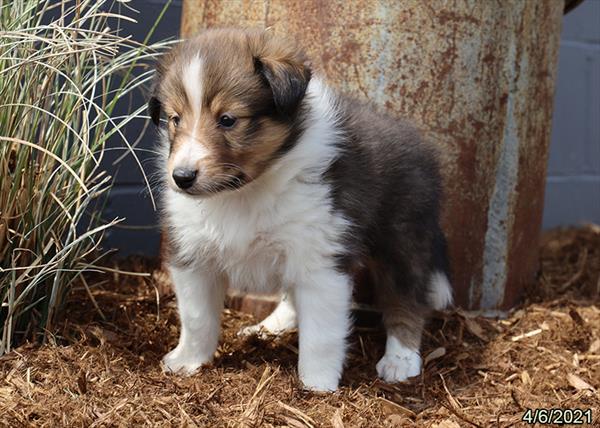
175 120
227 121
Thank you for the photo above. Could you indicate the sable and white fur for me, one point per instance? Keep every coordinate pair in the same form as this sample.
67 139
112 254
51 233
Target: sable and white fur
306 188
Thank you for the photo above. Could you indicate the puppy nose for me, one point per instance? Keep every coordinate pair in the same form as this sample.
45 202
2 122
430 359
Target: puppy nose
184 178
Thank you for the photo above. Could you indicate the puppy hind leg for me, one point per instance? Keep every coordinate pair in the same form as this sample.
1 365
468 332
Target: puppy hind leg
403 330
282 319
403 319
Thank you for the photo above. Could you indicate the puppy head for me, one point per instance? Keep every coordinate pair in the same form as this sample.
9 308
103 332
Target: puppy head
231 99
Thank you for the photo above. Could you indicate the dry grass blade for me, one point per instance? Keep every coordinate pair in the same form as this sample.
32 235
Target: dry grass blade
299 413
252 414
578 383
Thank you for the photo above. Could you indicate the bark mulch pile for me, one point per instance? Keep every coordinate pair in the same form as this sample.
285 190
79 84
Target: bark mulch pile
103 370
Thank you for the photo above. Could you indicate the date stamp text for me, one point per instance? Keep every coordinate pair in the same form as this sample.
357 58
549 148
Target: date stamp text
558 416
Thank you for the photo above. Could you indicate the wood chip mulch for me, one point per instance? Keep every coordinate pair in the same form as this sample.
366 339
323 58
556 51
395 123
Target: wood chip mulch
103 370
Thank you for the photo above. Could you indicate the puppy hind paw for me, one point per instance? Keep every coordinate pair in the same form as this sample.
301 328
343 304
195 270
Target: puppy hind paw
263 332
254 330
398 368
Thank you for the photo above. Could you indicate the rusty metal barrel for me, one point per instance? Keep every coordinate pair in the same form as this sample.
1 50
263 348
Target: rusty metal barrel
476 76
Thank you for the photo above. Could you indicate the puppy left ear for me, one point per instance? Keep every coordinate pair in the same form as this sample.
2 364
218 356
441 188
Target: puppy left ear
154 105
154 109
284 67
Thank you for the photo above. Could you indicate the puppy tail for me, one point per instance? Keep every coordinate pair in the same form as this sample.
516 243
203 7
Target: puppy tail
440 289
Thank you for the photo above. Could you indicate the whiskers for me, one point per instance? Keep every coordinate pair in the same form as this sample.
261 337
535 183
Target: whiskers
223 181
235 167
228 179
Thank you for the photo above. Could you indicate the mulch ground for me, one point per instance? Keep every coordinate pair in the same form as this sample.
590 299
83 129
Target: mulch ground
104 370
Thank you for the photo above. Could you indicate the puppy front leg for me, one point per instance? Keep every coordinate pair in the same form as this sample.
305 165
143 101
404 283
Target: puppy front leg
323 305
200 299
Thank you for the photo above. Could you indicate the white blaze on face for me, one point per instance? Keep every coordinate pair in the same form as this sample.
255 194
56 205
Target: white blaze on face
191 150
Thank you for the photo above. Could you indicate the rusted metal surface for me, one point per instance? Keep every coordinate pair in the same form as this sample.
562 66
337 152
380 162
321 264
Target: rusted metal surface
477 76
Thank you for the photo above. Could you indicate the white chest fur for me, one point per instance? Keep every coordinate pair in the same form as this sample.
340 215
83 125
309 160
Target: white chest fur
259 239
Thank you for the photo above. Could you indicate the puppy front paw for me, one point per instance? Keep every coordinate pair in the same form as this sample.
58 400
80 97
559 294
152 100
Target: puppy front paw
319 384
183 363
319 378
399 367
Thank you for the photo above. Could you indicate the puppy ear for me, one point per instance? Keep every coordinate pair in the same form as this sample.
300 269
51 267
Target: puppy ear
284 67
160 70
154 109
154 104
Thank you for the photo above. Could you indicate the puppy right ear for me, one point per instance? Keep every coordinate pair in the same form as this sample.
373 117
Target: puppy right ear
283 66
154 107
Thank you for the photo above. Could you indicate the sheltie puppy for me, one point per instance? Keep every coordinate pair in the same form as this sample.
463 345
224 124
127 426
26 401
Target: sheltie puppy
273 182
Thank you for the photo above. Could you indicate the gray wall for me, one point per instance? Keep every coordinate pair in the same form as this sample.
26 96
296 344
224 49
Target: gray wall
573 184
573 187
129 197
